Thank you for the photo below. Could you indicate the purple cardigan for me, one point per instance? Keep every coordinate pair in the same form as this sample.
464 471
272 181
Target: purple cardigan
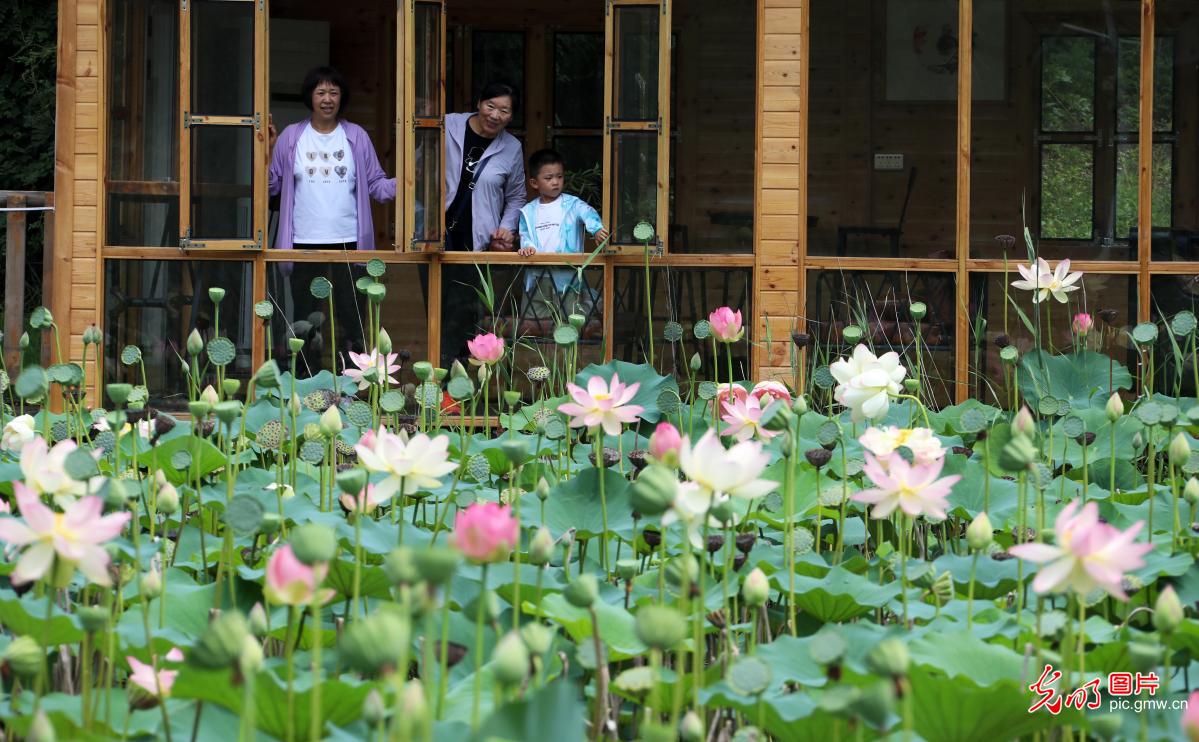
366 165
500 192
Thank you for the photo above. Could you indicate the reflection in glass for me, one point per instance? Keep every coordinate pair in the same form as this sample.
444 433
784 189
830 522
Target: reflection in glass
143 142
1173 294
636 63
428 60
1109 299
578 80
499 56
530 302
222 182
299 314
877 303
1067 195
584 167
155 304
634 182
685 296
1128 80
222 58
1068 83
428 186
1127 166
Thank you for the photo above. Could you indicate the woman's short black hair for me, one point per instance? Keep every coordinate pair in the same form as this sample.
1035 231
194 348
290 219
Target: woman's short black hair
497 89
318 75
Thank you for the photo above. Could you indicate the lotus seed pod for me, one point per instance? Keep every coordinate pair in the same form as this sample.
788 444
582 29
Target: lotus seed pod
911 385
228 411
437 565
682 569
577 321
439 374
375 644
541 548
400 566
515 450
119 393
756 588
24 656
1114 407
221 643
511 398
216 293
538 374
889 657
1167 611
295 345
626 569
691 728
272 523
259 624
352 481
918 310
93 618
654 490
313 543
230 387
538 638
423 370
510 660
659 626
980 533
1180 450
582 591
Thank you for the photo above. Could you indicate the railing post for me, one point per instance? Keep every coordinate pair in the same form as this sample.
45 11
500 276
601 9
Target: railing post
14 285
48 276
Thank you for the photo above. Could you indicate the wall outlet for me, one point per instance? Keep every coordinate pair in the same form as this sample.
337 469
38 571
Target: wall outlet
888 161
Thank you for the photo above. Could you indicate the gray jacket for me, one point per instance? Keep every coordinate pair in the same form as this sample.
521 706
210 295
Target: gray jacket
500 192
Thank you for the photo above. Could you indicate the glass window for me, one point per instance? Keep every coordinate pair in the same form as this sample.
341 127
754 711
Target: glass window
684 296
155 304
428 185
578 80
1067 191
877 303
634 182
636 84
584 167
1173 294
143 124
222 184
298 313
499 56
428 60
222 58
1068 83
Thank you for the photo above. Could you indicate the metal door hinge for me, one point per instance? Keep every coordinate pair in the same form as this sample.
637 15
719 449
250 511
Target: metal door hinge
258 240
187 120
183 5
257 121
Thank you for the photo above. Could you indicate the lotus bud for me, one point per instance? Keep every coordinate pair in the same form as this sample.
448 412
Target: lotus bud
654 490
799 405
1191 491
1017 454
582 591
483 374
313 543
184 368
352 481
682 569
696 363
375 644
541 548
918 310
92 335
209 396
295 405
1179 451
516 450
1137 440
437 564
1114 407
423 370
195 343
384 342
41 730
1167 611
216 293
400 566
221 644
943 587
117 493
271 522
543 489
889 657
756 588
150 584
659 626
259 623
24 656
230 387
227 412
295 345
413 703
331 424
1024 423
510 660
250 659
93 618
374 711
457 369
980 534
691 728
538 638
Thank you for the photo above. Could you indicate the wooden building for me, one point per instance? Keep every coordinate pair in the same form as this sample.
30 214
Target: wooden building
815 163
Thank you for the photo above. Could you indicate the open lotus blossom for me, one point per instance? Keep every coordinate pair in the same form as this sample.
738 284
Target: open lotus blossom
1190 718
744 418
291 582
411 464
912 488
865 382
602 404
365 502
486 532
75 536
665 442
1043 282
143 676
17 432
384 367
1087 553
734 472
692 506
44 470
726 325
485 349
1082 324
769 391
885 441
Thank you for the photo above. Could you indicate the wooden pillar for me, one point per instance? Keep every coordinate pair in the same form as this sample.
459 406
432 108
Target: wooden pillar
962 284
14 284
1145 162
66 89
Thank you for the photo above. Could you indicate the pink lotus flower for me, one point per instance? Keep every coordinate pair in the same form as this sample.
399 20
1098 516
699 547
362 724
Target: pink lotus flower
725 392
769 391
384 367
486 532
485 350
74 536
291 582
143 676
744 419
365 502
665 442
1082 324
726 325
44 471
1190 718
914 489
1088 554
602 404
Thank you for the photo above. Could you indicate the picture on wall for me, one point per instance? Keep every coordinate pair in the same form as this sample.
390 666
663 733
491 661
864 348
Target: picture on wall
922 50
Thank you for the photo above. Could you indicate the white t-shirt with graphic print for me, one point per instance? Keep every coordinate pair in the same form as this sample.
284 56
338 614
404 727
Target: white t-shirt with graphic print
325 207
549 226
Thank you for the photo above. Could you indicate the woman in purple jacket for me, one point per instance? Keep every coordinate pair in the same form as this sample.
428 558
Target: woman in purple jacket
325 172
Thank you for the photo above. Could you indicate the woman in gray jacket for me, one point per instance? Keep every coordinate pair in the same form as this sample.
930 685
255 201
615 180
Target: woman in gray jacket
484 174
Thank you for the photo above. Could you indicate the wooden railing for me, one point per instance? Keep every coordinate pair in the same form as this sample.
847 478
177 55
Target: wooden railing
20 209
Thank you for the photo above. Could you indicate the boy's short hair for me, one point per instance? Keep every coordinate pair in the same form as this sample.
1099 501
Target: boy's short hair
543 157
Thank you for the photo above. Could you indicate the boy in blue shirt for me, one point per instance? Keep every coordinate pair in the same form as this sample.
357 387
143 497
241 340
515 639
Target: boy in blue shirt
554 223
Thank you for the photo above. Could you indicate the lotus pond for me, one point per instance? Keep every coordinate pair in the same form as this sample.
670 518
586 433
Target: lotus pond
566 552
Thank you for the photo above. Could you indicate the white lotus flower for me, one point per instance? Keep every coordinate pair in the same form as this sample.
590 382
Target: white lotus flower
1044 282
691 507
414 463
882 442
733 472
44 470
17 432
865 382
